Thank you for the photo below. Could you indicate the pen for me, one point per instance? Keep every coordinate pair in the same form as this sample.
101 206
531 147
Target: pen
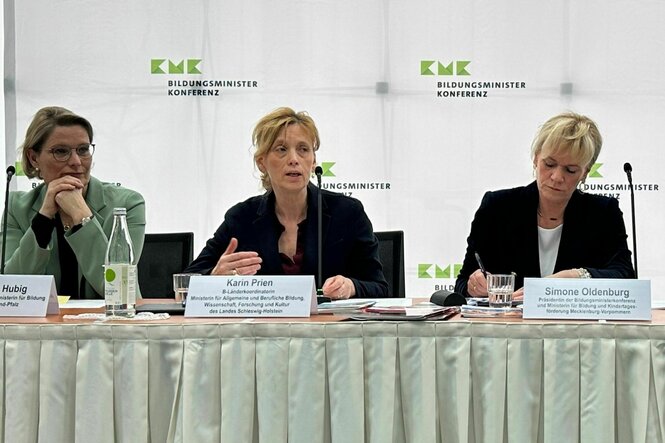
480 263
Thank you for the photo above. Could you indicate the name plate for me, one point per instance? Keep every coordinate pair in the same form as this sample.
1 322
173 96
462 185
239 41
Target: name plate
251 296
587 299
28 296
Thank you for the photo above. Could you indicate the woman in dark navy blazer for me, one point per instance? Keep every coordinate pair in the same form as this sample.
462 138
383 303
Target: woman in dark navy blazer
549 228
276 233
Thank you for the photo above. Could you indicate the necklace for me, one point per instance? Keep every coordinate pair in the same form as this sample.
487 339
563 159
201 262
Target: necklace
541 215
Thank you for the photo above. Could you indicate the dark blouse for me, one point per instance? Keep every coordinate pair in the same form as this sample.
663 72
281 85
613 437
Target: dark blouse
43 227
294 267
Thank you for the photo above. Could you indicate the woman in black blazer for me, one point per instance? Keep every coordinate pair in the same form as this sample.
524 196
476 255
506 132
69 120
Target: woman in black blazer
549 228
276 233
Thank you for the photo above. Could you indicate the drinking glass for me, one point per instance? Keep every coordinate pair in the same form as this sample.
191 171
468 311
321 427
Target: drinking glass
500 288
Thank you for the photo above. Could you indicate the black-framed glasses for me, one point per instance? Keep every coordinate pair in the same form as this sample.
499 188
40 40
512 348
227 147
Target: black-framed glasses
63 153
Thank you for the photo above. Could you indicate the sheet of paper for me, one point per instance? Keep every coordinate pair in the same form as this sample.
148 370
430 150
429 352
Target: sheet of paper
84 304
385 302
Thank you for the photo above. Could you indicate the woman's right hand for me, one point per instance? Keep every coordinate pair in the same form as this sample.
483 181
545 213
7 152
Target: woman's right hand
67 183
476 285
237 263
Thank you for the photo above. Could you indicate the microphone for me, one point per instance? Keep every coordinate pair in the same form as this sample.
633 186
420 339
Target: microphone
319 231
11 170
628 169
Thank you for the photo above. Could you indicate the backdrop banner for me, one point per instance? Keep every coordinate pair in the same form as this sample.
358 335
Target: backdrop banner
422 106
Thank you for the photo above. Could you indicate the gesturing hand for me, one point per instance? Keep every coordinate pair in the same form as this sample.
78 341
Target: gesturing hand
237 263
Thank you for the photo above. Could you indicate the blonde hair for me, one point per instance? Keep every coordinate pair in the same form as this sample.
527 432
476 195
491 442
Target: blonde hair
41 127
569 132
268 128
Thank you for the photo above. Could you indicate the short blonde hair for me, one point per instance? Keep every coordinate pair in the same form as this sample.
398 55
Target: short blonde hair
41 127
268 128
569 132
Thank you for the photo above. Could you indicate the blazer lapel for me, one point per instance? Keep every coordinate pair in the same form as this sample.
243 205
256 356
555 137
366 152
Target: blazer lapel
95 199
266 237
531 255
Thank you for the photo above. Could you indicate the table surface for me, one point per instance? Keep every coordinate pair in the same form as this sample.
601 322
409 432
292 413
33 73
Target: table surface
658 318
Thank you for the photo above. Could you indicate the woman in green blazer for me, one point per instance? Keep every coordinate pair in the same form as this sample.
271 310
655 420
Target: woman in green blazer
62 226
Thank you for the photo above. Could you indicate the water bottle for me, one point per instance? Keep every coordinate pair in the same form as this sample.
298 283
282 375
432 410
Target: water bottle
119 269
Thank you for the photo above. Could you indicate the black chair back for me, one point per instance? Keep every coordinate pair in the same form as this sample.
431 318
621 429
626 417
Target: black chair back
391 255
163 255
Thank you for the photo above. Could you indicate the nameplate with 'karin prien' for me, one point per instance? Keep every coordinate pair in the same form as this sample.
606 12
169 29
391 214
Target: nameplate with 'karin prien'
251 296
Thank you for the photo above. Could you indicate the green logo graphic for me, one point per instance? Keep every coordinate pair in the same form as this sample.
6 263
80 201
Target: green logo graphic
175 67
594 173
457 67
327 169
449 271
192 66
156 66
460 67
425 67
109 275
19 169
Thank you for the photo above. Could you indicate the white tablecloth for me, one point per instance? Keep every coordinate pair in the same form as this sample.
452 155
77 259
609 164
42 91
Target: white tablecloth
333 382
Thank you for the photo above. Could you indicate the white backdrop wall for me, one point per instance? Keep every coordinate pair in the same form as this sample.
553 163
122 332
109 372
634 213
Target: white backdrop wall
355 66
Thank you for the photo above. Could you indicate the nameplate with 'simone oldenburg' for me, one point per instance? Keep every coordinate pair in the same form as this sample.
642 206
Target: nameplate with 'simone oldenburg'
587 298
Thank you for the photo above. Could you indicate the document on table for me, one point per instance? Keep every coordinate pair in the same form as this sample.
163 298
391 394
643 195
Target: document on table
344 306
83 304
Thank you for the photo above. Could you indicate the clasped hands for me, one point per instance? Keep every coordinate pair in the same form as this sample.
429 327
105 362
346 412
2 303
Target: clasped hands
65 195
477 283
249 263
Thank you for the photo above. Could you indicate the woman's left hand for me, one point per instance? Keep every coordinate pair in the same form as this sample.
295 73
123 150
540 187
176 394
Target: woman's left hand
72 205
339 287
567 273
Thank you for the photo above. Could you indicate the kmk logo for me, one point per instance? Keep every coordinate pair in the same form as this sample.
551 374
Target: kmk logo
178 67
594 173
450 271
327 169
453 68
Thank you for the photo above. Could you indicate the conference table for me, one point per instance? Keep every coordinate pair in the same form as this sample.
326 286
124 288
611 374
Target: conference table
323 379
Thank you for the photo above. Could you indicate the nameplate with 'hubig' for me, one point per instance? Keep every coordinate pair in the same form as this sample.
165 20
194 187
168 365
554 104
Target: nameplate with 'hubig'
28 296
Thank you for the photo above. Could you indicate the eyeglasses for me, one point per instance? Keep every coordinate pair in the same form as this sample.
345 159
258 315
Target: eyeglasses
63 153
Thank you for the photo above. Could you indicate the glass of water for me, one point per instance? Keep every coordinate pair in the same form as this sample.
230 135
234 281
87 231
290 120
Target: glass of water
500 288
181 286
